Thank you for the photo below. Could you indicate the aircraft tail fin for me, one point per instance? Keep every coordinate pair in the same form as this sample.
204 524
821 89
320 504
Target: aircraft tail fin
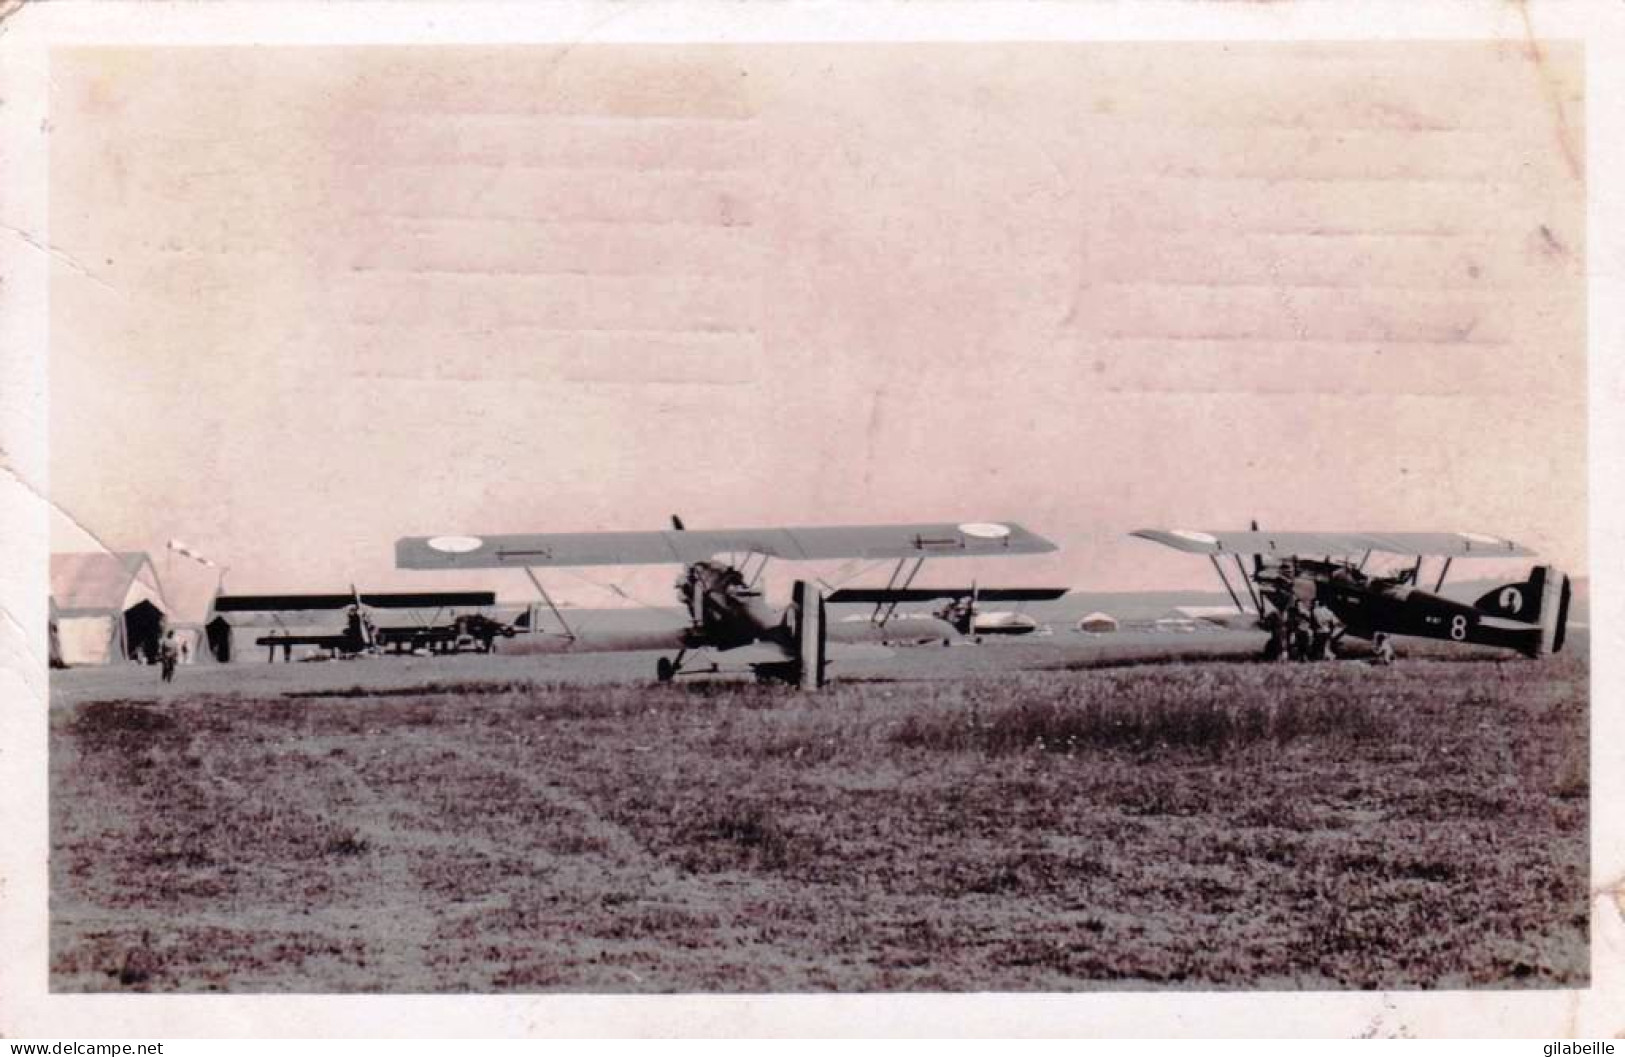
1542 600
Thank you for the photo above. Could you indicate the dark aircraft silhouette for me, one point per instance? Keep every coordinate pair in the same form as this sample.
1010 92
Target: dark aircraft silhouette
363 635
1310 568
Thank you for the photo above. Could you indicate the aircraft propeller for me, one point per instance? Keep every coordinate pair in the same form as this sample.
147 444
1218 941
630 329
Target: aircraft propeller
363 625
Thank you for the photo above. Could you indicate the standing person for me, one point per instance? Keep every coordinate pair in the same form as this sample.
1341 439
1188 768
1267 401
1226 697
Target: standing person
1325 626
169 652
1297 631
1384 650
1276 648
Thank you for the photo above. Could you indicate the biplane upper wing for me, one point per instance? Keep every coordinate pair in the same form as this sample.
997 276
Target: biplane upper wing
1337 544
932 594
385 600
931 540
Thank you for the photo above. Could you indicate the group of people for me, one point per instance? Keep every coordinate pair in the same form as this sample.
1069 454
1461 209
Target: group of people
1302 631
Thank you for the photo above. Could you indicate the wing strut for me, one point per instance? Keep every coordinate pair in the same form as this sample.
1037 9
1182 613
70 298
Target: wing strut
752 579
878 618
1214 558
549 600
1258 605
1442 574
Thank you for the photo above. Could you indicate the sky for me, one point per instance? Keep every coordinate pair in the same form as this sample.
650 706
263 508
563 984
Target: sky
310 300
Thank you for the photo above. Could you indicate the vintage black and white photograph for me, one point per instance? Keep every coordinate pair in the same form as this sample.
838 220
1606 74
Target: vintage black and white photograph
818 516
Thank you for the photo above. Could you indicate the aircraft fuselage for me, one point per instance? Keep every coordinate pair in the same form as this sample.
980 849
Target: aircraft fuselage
1404 610
724 611
1369 605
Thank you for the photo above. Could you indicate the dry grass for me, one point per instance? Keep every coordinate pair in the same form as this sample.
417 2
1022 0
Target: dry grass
1201 825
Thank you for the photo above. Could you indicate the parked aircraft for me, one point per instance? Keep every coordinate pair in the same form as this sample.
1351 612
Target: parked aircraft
1328 568
961 610
362 633
721 571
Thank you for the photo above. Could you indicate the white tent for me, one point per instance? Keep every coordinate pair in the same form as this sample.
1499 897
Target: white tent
1216 614
190 588
1203 617
55 643
106 606
1098 623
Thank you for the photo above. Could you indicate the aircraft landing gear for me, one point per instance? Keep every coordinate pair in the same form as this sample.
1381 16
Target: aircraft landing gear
666 669
786 673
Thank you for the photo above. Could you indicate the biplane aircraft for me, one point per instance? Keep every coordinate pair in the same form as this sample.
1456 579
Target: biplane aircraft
362 633
1329 568
961 607
722 569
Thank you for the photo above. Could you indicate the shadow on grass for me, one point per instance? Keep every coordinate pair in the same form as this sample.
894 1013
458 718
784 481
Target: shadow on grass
464 688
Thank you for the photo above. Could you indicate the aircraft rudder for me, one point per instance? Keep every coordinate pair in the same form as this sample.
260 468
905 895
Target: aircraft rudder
1541 601
1523 600
1560 618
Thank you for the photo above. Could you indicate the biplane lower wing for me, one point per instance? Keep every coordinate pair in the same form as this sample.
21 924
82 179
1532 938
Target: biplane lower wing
823 542
335 641
386 600
936 594
1337 544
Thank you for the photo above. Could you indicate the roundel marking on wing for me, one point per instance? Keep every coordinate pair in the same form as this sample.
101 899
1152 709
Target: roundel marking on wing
985 530
1193 536
1478 537
456 544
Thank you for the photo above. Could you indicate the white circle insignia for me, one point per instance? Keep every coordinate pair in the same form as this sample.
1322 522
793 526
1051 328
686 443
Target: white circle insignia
985 530
1511 599
456 544
1193 536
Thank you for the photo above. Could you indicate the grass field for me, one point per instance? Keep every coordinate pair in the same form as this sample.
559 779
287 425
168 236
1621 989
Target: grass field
482 825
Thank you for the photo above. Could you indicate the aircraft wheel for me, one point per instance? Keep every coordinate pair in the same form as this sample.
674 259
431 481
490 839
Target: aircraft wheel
664 670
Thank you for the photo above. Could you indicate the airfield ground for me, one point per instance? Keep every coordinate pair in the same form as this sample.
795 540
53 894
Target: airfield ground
1012 817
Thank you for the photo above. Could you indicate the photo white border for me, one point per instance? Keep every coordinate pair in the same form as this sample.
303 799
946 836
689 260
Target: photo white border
28 1010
